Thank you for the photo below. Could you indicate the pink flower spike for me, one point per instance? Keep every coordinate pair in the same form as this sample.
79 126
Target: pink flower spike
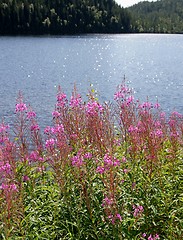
50 143
150 237
157 105
88 155
26 178
144 235
55 114
3 128
47 130
100 170
35 128
31 115
119 216
20 107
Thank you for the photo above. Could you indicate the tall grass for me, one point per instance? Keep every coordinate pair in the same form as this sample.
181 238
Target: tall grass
100 171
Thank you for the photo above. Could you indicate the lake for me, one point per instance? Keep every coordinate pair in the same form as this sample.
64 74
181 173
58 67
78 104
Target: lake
151 63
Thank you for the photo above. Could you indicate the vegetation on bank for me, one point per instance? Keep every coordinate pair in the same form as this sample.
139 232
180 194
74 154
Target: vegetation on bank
163 16
62 17
100 171
89 16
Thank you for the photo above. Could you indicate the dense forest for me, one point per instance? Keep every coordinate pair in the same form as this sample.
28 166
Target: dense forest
62 17
163 16
89 16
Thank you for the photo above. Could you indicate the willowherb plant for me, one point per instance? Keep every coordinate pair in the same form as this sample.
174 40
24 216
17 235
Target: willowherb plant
99 171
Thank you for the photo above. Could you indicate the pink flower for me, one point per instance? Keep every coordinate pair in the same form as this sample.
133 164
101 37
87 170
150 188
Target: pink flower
34 157
157 105
88 155
118 95
108 161
20 107
9 187
113 218
123 159
146 105
55 114
77 160
144 235
93 108
47 130
3 128
26 178
50 143
5 169
100 170
118 216
129 100
31 115
61 97
75 101
107 202
61 100
138 210
150 237
59 128
35 128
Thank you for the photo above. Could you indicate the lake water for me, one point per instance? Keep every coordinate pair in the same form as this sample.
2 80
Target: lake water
152 64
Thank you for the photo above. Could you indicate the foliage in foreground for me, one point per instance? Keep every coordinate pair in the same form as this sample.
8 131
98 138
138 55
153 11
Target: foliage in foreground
110 171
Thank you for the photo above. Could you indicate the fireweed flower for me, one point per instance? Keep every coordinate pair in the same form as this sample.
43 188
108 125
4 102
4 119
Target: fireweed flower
87 155
129 100
55 114
113 218
77 160
122 92
146 105
100 169
31 115
110 161
47 130
138 210
118 95
34 157
157 105
20 107
5 169
75 101
25 178
118 216
153 238
3 128
93 108
34 128
59 128
50 143
107 202
9 188
61 100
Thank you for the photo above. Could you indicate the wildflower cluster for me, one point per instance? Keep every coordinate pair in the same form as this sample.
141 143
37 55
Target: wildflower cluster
99 171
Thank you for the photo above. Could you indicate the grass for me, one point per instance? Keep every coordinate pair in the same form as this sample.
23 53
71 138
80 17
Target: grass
100 171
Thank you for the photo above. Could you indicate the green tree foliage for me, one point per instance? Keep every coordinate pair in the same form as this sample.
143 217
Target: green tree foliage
62 17
163 16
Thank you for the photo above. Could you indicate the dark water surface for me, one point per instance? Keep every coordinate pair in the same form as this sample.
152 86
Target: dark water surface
152 64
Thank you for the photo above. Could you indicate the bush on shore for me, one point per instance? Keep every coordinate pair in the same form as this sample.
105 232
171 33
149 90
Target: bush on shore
101 171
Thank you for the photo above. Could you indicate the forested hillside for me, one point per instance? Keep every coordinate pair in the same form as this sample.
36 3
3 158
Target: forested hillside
163 16
62 17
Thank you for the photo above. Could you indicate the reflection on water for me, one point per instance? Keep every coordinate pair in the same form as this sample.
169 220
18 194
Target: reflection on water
37 65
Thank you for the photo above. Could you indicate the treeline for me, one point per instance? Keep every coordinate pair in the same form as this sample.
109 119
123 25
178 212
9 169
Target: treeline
62 17
163 16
